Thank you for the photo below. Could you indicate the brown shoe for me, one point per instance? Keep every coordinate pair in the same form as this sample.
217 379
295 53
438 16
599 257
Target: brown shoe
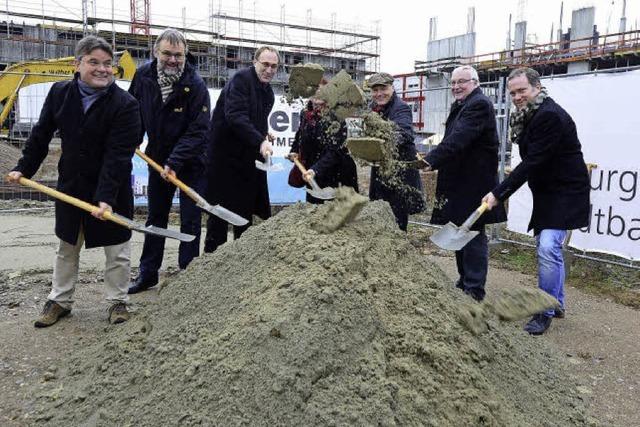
118 313
51 313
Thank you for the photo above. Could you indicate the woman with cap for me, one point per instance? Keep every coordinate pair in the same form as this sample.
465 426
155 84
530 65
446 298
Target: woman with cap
403 191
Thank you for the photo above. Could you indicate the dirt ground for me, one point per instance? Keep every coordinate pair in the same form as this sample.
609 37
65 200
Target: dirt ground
599 338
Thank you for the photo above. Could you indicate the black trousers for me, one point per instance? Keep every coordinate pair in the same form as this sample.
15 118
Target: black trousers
473 264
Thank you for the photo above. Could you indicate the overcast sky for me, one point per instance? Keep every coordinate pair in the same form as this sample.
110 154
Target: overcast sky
404 24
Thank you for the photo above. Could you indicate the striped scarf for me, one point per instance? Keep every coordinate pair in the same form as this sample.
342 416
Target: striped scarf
166 81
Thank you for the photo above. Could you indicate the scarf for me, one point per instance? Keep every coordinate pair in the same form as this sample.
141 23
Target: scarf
166 81
520 118
89 94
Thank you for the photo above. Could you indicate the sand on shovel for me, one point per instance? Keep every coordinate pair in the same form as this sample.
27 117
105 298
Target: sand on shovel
342 95
367 149
288 326
340 211
304 80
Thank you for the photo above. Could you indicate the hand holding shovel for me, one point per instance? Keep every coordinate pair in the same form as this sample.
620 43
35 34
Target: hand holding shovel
454 238
327 193
266 151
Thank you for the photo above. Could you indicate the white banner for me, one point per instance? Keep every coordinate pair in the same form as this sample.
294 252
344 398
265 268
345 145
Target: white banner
608 123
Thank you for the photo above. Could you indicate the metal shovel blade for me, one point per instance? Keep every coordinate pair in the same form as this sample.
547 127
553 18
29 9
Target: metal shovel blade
268 165
156 231
224 213
452 237
326 193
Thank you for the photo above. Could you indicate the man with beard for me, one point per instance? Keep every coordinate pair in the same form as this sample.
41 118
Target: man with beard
553 165
174 105
467 164
98 124
240 136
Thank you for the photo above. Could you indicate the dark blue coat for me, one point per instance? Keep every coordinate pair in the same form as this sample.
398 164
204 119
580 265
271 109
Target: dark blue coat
553 164
467 162
327 155
177 129
95 165
238 127
408 199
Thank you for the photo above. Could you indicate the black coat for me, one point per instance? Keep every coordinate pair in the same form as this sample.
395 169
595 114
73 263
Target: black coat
553 164
408 199
238 127
467 162
326 154
95 165
177 129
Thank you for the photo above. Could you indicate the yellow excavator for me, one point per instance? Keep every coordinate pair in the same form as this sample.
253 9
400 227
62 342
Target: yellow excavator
23 74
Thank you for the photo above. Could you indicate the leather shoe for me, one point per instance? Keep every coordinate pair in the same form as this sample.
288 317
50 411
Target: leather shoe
538 324
559 313
141 284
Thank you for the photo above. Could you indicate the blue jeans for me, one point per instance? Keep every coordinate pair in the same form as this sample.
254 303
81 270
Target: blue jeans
551 264
160 196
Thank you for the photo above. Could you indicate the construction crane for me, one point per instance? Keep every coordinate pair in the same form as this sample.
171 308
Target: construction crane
140 17
23 74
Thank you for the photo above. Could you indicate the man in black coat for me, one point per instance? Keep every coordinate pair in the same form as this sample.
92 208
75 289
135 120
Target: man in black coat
553 165
99 125
239 136
174 105
467 164
403 190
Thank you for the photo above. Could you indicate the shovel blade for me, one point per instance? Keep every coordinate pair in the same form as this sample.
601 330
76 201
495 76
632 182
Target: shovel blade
153 230
323 193
225 214
453 238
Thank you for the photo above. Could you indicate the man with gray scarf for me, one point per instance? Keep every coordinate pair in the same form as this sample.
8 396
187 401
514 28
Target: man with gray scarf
553 165
174 105
98 124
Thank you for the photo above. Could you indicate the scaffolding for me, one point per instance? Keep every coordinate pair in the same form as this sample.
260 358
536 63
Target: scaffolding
222 42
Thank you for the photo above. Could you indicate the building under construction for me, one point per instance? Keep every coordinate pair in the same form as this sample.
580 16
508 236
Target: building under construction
222 43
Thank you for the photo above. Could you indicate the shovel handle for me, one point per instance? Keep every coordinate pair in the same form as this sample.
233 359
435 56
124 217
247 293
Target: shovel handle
299 165
474 216
70 199
175 181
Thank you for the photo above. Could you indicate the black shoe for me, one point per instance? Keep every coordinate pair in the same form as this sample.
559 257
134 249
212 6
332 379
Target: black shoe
559 313
141 285
538 324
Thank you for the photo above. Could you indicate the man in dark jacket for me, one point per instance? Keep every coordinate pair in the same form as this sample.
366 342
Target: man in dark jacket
403 190
98 124
467 164
240 136
174 105
553 164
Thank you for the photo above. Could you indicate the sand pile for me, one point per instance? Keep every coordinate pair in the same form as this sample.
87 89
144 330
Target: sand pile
287 326
9 156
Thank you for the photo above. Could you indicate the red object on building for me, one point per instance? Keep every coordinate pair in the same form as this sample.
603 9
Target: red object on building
140 17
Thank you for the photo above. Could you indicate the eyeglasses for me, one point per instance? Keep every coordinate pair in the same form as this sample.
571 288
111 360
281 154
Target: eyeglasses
177 56
269 65
460 82
97 64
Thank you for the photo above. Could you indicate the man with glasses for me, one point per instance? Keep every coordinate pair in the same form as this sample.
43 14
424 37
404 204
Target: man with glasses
174 105
553 165
240 136
98 124
467 165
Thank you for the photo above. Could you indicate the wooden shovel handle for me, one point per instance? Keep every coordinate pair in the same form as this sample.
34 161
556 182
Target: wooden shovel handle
175 181
70 199
299 165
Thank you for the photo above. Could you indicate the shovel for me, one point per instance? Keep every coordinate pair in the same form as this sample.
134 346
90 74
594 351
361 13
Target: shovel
111 216
326 193
217 210
454 238
268 165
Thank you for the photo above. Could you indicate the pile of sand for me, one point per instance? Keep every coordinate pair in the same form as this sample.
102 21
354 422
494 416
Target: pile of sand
287 326
9 156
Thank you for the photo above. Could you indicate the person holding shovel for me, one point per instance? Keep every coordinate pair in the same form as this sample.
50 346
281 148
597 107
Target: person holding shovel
403 190
174 105
239 135
321 151
553 165
467 163
99 125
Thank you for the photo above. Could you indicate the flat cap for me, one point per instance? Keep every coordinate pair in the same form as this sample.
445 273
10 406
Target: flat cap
380 79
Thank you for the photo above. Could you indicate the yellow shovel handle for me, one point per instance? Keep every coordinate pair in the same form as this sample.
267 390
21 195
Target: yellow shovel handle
70 199
299 165
175 181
